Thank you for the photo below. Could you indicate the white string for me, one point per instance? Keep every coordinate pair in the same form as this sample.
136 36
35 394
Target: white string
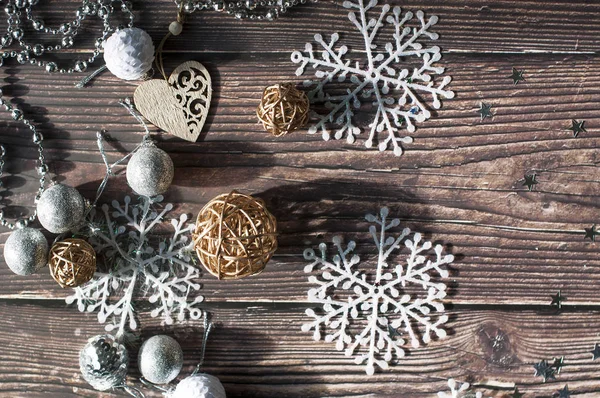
100 138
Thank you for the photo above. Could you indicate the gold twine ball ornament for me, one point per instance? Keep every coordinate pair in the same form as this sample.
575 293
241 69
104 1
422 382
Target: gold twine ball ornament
72 262
283 109
235 236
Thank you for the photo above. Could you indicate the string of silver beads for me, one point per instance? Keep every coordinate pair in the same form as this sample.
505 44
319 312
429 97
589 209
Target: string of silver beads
20 12
42 168
242 9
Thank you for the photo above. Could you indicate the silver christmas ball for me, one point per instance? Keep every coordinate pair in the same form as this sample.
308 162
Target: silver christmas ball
160 359
26 251
129 53
150 171
60 208
201 385
104 362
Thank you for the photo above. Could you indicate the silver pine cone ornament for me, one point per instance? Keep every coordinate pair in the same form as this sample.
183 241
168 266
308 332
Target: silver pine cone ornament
129 53
104 362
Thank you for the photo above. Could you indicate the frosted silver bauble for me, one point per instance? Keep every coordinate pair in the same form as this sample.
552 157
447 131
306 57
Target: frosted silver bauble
150 171
26 251
129 53
103 362
60 208
160 359
201 385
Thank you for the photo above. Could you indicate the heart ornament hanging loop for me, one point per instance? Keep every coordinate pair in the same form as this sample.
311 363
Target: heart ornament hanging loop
177 104
180 104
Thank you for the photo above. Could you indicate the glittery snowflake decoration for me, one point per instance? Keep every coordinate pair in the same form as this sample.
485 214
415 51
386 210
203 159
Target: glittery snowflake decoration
375 313
396 92
138 262
458 390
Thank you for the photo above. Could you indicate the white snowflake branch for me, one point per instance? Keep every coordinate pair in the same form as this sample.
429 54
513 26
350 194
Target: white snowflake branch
394 92
459 390
377 301
128 248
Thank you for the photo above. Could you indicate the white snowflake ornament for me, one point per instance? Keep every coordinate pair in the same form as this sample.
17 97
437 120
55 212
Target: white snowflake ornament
141 264
458 390
375 314
396 92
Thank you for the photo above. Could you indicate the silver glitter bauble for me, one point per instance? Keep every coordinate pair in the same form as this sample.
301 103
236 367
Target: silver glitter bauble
129 53
201 385
160 359
104 362
26 251
150 171
60 208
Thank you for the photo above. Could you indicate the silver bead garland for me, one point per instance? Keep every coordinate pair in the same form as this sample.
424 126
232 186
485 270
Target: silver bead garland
242 9
42 167
20 12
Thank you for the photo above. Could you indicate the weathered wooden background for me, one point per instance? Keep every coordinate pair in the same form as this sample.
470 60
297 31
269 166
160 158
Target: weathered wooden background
458 183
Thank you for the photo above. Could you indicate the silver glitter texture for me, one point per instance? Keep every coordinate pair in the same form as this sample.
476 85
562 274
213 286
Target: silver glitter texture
150 171
60 208
26 251
104 362
201 385
160 359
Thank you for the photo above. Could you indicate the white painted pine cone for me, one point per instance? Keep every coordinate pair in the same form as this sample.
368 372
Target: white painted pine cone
129 53
201 385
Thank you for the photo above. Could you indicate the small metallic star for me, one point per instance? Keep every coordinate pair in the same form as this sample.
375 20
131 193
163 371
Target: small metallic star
590 233
485 110
517 76
577 127
564 393
517 394
392 332
544 370
596 352
530 180
558 364
557 299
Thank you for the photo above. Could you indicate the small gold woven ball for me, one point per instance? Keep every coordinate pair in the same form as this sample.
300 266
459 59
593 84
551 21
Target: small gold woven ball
72 262
283 109
235 236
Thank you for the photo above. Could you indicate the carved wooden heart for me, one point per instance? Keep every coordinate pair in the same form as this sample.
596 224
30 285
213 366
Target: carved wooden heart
180 105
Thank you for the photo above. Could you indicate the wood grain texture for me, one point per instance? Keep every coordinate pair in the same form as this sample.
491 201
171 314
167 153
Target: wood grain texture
458 183
465 26
259 351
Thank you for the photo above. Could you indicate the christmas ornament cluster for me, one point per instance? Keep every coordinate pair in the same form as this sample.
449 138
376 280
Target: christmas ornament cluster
61 210
235 234
104 364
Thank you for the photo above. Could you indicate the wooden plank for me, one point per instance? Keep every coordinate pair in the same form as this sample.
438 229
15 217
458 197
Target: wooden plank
459 182
496 261
261 352
465 25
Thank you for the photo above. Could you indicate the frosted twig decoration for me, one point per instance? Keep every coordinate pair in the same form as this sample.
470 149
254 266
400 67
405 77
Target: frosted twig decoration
395 92
121 235
373 316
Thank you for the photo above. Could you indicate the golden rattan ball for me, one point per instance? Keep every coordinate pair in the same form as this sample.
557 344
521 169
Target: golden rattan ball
235 236
72 262
283 109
